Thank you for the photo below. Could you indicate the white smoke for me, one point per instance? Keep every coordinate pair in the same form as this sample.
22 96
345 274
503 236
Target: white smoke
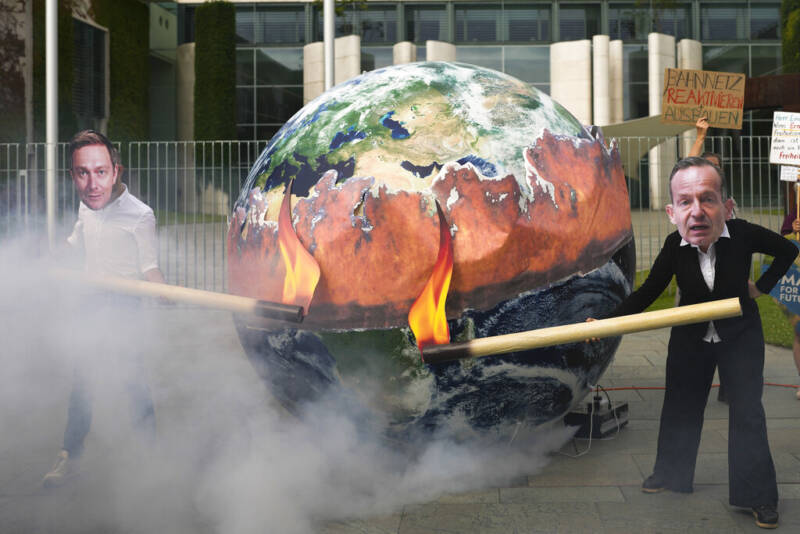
227 458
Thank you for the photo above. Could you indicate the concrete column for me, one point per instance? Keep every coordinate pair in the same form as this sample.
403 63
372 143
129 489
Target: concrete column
690 56
571 77
601 98
347 63
405 52
313 71
615 60
185 91
660 55
440 51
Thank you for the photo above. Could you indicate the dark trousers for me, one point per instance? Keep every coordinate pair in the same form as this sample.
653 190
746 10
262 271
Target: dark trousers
79 411
116 356
690 370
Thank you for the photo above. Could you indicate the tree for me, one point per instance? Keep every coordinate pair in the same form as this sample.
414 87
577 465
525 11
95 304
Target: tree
12 54
128 23
790 23
215 71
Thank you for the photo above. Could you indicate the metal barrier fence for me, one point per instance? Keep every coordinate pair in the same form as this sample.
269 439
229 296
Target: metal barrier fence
192 187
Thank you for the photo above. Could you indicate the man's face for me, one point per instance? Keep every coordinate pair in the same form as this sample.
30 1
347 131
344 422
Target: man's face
94 175
697 207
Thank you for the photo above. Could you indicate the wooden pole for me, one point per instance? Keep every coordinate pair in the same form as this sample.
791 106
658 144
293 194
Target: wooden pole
571 333
185 295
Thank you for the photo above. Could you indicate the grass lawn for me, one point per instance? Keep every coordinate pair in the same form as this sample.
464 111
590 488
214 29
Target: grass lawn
777 328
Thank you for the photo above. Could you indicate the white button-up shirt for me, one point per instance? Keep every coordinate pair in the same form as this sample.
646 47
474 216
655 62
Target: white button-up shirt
708 262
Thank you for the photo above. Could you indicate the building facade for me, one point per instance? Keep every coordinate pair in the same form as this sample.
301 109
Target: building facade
506 35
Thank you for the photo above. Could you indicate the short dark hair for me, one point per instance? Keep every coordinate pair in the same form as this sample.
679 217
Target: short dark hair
698 161
89 138
706 155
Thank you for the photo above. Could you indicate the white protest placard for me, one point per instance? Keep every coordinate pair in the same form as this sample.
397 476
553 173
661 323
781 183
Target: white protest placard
790 173
785 148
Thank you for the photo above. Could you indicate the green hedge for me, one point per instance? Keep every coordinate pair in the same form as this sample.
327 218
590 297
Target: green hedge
12 87
128 23
67 122
787 6
791 42
215 71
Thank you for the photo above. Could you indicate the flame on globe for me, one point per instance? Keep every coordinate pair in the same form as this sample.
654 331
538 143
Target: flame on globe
433 175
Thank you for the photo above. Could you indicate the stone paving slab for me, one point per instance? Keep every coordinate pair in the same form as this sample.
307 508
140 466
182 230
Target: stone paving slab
596 492
500 518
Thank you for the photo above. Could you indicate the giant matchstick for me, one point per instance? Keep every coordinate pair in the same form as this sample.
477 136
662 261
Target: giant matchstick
571 333
185 295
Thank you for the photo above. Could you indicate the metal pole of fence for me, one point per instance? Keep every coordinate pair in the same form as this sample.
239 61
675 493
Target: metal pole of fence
51 92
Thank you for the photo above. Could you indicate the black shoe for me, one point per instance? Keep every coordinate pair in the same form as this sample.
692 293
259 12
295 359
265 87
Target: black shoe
766 516
653 484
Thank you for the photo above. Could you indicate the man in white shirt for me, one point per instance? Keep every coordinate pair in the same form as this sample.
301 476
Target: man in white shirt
117 234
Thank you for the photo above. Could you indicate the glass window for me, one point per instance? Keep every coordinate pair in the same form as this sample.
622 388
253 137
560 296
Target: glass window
578 21
279 66
634 63
528 63
275 25
636 101
484 56
378 24
722 22
475 22
277 104
765 60
424 22
673 21
376 57
727 58
245 24
526 23
765 21
635 97
628 21
89 70
244 131
244 105
265 132
244 67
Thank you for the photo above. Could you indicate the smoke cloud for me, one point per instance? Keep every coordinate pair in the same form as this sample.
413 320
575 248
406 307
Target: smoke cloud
227 458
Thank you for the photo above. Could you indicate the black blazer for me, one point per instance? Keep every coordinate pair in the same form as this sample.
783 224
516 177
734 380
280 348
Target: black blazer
732 270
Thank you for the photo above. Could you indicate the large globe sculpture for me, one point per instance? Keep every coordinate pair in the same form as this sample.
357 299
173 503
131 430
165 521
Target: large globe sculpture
537 209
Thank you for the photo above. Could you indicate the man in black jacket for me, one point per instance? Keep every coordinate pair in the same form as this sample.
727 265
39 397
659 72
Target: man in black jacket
711 259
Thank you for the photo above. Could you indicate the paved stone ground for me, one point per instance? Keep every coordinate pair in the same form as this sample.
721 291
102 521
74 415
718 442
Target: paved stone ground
596 492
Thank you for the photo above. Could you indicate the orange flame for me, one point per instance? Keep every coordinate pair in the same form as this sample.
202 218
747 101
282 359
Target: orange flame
302 270
427 316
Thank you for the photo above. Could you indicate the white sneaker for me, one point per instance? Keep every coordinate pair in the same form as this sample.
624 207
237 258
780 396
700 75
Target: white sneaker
60 471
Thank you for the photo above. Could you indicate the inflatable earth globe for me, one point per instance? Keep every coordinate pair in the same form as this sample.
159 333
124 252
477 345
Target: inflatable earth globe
536 208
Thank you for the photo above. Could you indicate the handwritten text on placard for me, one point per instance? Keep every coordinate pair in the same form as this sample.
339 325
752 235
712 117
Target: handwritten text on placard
785 147
691 94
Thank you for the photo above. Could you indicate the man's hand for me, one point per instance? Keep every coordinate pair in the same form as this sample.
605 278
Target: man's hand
752 290
155 275
702 127
589 320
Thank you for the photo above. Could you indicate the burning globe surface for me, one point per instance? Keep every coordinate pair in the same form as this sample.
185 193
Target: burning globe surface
414 186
